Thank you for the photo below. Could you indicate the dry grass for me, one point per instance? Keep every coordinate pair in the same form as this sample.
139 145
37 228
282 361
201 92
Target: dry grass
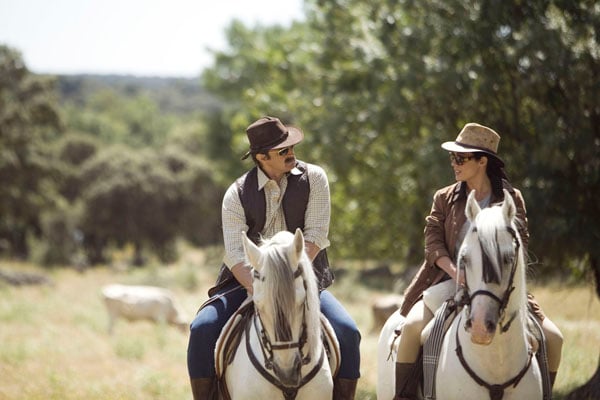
54 345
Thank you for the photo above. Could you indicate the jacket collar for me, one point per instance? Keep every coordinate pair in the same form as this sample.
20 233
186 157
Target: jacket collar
460 192
263 178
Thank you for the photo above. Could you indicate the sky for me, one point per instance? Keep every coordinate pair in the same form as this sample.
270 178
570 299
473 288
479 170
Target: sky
167 38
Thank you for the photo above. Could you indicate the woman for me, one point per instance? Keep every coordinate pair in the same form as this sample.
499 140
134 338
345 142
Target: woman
476 165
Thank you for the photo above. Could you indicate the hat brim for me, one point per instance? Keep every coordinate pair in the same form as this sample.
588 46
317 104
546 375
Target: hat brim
459 148
295 136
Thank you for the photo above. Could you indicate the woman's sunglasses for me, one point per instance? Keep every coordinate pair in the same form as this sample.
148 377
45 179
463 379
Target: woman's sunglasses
460 160
284 151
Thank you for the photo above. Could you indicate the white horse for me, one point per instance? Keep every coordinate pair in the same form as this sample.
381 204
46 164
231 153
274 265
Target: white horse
387 348
486 353
281 353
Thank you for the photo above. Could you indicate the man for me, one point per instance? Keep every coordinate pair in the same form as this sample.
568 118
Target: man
279 193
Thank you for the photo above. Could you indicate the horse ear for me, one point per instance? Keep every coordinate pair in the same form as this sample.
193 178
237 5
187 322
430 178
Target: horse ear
298 242
472 208
251 250
508 206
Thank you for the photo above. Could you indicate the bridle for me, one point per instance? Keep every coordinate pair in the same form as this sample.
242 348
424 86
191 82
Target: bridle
468 297
268 347
496 391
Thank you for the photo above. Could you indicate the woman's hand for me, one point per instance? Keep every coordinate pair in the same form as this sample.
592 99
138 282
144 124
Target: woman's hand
446 264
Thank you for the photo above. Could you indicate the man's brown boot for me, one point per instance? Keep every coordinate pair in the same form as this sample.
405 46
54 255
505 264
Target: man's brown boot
203 388
407 381
344 389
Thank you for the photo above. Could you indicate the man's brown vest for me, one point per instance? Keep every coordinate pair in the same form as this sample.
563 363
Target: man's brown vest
294 203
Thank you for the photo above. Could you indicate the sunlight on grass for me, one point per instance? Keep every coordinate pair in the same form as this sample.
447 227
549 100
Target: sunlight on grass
58 334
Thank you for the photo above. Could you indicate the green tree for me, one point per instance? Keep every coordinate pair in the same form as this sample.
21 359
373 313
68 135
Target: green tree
112 118
72 150
147 198
28 120
130 197
199 196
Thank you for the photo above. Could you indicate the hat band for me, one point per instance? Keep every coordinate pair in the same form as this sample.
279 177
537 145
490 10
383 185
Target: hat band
269 145
476 147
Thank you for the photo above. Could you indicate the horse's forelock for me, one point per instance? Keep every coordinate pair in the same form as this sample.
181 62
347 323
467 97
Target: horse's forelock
279 284
495 244
279 290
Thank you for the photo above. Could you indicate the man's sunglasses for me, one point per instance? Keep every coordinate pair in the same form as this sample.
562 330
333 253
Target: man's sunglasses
460 160
284 151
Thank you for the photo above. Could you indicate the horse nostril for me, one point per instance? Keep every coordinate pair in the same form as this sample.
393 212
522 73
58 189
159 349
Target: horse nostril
469 324
490 326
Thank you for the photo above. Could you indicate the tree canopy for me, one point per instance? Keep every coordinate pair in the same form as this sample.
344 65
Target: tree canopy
378 86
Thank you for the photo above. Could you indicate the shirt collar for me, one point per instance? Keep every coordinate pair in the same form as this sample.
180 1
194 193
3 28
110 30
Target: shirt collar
263 178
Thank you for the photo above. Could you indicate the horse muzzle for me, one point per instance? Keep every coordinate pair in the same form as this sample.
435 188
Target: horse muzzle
482 325
289 377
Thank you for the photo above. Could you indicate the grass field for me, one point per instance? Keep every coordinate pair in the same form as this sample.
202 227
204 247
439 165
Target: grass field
54 343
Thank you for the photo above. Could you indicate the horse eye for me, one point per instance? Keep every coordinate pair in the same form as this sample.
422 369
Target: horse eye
509 259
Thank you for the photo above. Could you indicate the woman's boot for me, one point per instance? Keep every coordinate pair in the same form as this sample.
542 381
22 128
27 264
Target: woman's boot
407 381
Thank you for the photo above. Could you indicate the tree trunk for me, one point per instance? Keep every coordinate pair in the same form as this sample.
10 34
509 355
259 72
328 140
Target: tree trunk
596 272
138 257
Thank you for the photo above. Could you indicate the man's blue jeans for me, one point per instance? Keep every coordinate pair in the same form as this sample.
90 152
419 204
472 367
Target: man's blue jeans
210 320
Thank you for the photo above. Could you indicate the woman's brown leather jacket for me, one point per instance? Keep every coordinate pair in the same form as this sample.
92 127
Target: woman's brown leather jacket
442 227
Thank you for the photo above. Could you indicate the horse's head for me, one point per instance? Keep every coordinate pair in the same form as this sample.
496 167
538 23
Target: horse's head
284 292
488 257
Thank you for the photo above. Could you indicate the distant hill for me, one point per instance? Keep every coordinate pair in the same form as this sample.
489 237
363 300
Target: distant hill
172 95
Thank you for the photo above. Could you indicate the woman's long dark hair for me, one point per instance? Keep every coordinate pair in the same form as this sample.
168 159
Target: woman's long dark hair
495 171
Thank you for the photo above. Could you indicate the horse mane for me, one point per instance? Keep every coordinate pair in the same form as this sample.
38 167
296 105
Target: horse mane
280 293
497 247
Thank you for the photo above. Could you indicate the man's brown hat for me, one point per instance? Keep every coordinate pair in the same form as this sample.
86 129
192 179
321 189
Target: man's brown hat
270 133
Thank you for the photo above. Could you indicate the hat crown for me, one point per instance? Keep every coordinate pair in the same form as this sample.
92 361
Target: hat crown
270 133
479 137
265 133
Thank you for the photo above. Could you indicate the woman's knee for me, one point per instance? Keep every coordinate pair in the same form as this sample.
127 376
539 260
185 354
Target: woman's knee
416 320
553 335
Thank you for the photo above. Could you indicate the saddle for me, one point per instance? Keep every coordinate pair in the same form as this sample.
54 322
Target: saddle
231 336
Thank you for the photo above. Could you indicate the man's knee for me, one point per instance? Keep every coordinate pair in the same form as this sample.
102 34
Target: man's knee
347 334
204 332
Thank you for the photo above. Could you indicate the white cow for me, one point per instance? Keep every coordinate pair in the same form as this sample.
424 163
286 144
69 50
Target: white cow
142 302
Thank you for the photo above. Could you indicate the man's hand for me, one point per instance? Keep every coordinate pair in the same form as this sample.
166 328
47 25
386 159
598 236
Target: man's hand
242 272
311 250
